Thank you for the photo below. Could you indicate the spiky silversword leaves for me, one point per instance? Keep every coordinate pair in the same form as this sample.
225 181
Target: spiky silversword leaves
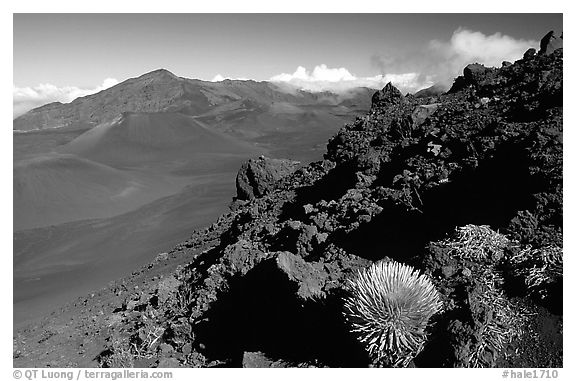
389 307
475 243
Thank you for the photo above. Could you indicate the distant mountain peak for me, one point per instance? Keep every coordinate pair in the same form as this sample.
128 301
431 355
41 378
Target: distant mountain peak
431 91
162 91
159 73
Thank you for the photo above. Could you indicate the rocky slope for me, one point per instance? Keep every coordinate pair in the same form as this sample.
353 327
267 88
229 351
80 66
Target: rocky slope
465 186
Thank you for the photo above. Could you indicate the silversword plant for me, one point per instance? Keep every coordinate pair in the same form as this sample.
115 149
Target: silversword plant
389 307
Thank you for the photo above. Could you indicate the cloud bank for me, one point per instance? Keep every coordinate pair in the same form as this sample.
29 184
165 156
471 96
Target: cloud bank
438 63
27 98
442 61
466 45
323 78
220 78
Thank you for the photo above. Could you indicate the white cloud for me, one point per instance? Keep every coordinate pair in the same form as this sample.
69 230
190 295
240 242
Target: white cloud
442 61
220 78
27 98
217 78
323 78
438 62
468 46
321 73
447 59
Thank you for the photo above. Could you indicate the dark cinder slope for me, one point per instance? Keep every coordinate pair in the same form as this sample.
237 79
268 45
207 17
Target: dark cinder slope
57 188
54 264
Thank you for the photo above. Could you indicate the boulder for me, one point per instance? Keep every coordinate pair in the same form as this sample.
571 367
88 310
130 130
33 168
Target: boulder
388 95
422 112
169 362
550 43
167 289
474 73
257 177
260 360
309 277
529 53
241 256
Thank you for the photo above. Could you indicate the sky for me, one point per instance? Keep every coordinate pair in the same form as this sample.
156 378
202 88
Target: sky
58 57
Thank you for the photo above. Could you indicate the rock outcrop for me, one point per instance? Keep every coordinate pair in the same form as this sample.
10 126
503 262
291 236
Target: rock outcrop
388 95
258 177
550 43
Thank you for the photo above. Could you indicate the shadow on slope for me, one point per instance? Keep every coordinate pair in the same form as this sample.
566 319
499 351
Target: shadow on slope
53 189
488 195
272 320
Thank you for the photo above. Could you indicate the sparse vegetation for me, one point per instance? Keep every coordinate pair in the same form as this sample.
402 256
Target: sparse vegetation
118 355
143 342
538 268
475 243
497 320
499 328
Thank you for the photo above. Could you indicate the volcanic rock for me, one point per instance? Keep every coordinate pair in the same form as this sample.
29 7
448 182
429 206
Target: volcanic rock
260 360
167 288
257 177
474 73
529 53
421 113
388 95
550 43
309 277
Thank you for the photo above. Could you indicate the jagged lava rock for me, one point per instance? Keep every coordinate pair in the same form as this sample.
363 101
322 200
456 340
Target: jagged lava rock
550 43
309 277
388 95
256 177
473 73
260 360
529 54
421 113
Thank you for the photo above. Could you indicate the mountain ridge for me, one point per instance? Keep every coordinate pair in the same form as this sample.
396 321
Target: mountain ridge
162 91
